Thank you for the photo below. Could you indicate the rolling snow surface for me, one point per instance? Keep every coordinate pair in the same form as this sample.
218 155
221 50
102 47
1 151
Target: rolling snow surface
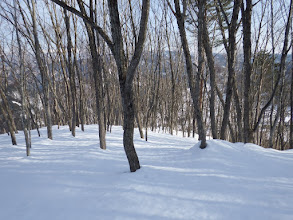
71 178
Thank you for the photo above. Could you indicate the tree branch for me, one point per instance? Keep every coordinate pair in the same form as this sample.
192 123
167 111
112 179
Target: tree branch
141 39
88 20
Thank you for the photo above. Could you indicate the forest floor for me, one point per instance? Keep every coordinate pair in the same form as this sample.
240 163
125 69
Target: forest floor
72 178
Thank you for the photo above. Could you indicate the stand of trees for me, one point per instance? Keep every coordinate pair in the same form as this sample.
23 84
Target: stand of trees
206 67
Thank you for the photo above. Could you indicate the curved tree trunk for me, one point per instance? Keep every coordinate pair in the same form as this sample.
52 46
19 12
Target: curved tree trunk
127 96
126 75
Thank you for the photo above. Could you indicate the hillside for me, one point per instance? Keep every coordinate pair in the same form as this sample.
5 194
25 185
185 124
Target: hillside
71 178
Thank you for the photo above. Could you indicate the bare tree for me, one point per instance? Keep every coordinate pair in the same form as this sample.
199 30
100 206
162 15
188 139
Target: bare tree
6 112
126 70
25 119
193 83
246 23
71 71
211 63
5 108
94 44
230 47
40 57
280 77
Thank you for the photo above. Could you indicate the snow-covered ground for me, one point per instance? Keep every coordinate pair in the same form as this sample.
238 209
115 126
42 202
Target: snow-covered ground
71 178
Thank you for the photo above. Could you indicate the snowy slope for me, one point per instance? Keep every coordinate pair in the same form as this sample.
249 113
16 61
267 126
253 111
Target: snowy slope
71 178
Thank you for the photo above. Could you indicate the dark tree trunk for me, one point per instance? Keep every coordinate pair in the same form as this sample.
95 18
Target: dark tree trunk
291 94
193 84
71 74
238 111
127 96
126 75
43 70
229 92
211 65
81 93
97 73
100 100
246 23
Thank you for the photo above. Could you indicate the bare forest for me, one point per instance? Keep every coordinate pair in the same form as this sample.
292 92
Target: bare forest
206 68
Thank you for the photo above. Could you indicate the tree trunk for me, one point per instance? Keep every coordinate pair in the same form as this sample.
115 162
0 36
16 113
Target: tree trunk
100 100
24 117
97 69
81 93
137 108
43 70
211 66
291 92
5 104
9 124
126 75
230 47
246 23
194 85
71 74
238 111
97 72
173 84
127 96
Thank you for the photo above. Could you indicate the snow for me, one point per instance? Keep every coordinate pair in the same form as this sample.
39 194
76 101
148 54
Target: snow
17 103
72 178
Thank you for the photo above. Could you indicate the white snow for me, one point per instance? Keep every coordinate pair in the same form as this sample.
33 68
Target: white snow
72 178
17 103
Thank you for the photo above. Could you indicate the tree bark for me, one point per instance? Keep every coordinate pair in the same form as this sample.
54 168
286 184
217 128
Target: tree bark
24 116
193 84
97 72
291 93
137 109
230 46
211 65
246 23
173 83
43 70
71 72
126 75
4 108
5 101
